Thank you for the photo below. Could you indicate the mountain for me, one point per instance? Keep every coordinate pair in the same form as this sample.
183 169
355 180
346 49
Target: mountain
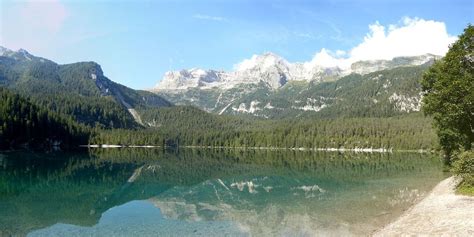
75 104
275 72
78 89
23 123
270 87
269 69
365 67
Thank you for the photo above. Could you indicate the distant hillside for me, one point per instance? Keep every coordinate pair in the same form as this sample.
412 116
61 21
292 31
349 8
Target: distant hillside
78 89
383 93
188 126
77 105
25 124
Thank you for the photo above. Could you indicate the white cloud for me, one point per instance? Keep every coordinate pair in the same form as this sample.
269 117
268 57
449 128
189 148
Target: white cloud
340 53
412 37
246 63
327 58
210 18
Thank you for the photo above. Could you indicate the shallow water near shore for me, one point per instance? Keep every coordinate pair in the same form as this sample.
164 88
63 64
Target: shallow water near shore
193 192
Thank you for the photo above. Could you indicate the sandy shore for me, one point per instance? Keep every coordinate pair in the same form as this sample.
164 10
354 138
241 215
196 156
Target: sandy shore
441 213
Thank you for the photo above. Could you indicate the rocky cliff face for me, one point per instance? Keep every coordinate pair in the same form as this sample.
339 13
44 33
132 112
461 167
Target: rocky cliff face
269 86
275 72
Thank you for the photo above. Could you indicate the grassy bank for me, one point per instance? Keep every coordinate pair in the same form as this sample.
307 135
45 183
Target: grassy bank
463 166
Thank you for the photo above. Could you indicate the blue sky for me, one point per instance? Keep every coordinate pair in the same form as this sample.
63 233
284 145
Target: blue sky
136 42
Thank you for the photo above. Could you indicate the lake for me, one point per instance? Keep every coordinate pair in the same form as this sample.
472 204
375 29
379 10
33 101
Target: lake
204 192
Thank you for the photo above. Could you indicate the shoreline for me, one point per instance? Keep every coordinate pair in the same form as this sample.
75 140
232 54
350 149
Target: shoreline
440 213
356 150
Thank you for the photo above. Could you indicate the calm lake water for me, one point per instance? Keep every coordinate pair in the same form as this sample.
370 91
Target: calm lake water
147 192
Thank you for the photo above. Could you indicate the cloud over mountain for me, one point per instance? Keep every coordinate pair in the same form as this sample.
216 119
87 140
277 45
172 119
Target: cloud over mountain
411 37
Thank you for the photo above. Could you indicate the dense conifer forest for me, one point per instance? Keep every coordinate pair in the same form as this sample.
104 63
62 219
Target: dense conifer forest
23 123
188 126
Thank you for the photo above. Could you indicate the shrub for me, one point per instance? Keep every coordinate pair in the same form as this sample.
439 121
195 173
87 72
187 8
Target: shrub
463 166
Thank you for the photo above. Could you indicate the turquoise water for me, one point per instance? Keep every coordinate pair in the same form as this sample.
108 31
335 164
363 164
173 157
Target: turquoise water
147 192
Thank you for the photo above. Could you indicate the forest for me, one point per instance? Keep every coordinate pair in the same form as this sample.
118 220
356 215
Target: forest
44 103
188 126
25 121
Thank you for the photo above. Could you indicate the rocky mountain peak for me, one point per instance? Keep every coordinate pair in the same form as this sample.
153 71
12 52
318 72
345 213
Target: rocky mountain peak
274 71
368 66
262 62
23 51
5 52
20 55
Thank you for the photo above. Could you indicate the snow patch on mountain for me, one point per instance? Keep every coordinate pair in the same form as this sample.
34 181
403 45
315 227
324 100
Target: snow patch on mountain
253 107
404 103
185 79
20 54
308 107
6 52
225 108
312 104
241 186
25 54
269 106
366 67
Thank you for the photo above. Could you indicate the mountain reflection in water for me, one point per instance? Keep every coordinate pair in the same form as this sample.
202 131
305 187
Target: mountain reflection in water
128 192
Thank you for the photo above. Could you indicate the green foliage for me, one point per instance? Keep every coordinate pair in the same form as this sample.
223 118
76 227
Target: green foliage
188 126
24 123
100 112
449 89
463 166
464 189
79 89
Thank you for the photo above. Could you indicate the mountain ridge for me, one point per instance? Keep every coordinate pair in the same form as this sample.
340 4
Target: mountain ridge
80 89
275 72
381 93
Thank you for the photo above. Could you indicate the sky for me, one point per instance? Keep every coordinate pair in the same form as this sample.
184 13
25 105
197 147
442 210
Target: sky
136 42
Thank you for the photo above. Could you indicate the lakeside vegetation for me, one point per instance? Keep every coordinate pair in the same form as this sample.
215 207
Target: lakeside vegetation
26 123
449 98
464 167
